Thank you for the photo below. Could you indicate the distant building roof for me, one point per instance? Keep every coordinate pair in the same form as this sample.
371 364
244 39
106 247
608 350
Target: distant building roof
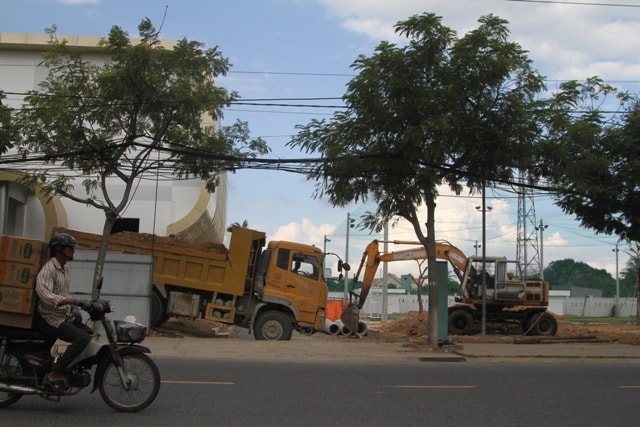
40 42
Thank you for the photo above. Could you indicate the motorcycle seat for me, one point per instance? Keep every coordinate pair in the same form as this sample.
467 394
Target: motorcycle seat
21 334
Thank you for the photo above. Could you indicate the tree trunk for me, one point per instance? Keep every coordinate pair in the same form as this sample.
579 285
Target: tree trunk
110 220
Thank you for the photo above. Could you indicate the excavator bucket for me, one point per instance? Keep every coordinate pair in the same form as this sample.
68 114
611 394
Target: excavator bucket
351 317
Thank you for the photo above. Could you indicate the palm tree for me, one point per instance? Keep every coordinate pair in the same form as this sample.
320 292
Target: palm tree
245 224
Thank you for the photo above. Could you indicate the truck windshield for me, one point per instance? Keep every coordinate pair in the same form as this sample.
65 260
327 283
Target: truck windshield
299 263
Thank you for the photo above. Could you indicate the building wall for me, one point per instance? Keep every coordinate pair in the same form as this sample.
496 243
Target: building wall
180 207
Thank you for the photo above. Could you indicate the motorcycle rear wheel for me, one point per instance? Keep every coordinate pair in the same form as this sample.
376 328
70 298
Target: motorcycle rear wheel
144 383
10 366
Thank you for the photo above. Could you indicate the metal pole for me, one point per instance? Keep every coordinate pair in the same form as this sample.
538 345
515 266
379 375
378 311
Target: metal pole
324 252
542 228
385 275
484 262
617 310
346 259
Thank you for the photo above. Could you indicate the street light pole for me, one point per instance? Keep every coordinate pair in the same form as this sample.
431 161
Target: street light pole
484 208
541 227
324 252
346 257
617 310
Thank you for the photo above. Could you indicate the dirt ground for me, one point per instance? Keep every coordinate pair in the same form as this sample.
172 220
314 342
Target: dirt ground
413 328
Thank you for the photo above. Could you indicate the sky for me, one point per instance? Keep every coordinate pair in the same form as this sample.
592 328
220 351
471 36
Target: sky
295 52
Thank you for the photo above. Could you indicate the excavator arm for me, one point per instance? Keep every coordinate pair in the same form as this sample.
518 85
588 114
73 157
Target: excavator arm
371 258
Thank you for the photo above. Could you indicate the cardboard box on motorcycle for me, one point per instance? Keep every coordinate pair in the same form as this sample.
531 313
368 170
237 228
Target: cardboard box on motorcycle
17 306
19 249
20 261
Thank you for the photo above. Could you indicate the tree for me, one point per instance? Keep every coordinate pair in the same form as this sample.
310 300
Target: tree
139 113
591 154
245 224
440 110
7 131
629 275
422 274
567 273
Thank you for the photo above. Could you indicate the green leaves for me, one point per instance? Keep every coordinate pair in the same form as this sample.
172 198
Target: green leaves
438 110
148 107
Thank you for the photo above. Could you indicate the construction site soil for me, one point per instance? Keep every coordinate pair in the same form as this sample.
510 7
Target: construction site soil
413 327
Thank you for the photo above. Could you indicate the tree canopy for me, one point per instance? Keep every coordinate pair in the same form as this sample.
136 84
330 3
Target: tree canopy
147 109
6 129
567 273
591 156
438 110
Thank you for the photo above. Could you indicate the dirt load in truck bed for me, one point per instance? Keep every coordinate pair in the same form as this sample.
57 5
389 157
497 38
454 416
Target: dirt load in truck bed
177 242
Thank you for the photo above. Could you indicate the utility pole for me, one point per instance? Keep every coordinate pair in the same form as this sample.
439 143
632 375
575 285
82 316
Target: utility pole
350 222
541 227
324 252
617 309
385 275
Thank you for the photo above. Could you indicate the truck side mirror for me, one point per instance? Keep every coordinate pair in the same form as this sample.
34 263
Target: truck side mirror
343 266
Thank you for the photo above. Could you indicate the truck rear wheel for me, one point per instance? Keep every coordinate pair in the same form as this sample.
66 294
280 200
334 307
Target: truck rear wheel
158 313
543 324
273 326
460 322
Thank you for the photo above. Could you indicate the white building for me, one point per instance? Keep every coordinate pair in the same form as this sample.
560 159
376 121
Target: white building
179 207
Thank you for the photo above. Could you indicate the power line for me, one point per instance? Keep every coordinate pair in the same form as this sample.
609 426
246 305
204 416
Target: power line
290 73
577 3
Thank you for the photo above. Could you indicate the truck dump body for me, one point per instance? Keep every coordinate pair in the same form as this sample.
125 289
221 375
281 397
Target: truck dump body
181 262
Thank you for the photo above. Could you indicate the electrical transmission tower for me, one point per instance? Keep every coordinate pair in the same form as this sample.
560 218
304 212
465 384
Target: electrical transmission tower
528 254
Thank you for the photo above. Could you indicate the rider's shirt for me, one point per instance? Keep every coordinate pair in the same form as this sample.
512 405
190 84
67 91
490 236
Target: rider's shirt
52 286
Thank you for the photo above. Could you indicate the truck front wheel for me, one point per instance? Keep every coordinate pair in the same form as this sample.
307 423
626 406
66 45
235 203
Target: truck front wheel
273 326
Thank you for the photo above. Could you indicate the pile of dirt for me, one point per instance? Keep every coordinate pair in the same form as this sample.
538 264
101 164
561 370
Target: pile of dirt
414 325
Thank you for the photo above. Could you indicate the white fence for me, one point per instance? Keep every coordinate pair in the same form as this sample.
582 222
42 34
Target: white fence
127 282
400 303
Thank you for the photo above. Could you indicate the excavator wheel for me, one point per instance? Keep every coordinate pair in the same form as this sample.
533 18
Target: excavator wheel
350 317
543 324
460 322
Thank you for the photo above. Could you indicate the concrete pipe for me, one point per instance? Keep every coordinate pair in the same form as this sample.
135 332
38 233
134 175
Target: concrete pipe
363 329
331 328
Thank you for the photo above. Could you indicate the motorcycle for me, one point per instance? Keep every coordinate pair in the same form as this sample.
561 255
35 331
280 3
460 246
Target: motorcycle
127 378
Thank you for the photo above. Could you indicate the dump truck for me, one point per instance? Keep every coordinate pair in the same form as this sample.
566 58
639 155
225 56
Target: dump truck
270 290
492 281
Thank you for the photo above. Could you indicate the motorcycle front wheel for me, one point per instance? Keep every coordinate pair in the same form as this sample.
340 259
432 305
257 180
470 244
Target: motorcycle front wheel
10 367
142 383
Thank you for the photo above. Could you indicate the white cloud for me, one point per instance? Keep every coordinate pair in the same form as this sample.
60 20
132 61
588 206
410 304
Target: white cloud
565 41
304 232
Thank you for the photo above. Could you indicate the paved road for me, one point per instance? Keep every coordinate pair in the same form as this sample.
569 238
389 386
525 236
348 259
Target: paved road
226 392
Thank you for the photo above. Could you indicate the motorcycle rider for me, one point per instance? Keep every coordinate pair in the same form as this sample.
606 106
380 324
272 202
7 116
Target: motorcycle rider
58 317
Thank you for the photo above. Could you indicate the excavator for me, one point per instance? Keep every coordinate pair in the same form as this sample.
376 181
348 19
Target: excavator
509 296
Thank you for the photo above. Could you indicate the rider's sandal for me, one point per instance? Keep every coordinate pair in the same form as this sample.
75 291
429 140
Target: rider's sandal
56 386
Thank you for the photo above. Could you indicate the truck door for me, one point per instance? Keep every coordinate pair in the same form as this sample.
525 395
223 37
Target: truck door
302 283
